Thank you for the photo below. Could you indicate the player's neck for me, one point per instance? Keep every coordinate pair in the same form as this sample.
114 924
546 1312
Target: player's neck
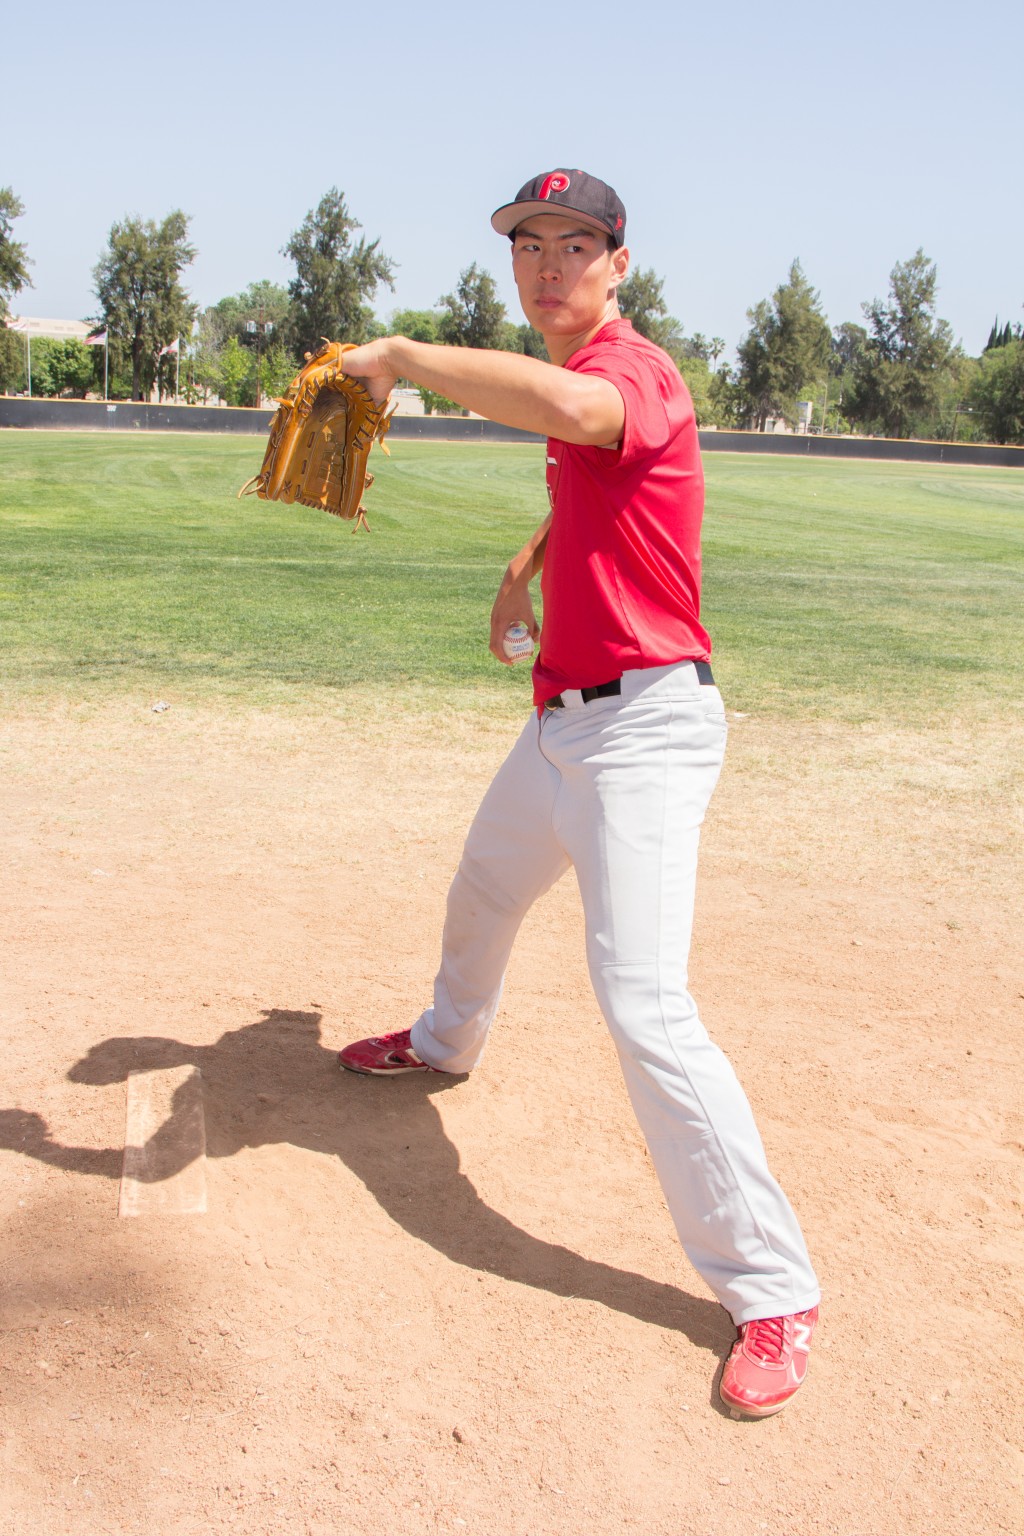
561 348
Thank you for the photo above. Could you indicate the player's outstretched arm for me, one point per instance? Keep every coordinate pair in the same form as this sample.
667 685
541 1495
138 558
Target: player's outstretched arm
503 386
513 603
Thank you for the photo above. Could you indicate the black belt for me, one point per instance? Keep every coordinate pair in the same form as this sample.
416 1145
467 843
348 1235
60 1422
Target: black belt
609 690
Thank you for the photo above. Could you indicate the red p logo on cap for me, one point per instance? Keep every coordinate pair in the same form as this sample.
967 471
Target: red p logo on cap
558 181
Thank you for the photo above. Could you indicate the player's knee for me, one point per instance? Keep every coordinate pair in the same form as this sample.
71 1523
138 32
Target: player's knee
647 1007
478 889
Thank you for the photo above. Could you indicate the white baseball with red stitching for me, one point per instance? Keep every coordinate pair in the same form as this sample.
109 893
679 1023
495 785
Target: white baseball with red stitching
517 642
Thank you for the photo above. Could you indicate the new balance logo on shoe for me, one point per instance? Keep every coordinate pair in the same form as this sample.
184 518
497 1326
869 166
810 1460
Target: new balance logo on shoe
768 1363
802 1335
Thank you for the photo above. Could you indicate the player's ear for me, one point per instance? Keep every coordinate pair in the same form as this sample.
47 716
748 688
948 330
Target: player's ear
620 266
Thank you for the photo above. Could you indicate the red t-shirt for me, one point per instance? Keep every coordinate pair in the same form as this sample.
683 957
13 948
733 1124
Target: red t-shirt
621 577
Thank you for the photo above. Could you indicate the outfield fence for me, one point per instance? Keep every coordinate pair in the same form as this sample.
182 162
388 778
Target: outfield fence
136 416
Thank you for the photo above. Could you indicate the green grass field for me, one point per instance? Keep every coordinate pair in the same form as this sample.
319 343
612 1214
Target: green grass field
841 590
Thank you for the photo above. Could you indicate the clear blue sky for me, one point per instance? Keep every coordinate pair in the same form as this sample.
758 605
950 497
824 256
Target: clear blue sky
738 135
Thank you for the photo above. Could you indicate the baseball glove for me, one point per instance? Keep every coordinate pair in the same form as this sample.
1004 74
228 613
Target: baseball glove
320 439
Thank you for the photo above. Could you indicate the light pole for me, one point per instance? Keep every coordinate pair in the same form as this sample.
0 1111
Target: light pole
961 410
261 328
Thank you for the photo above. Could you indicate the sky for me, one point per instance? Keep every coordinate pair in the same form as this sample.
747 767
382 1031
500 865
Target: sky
739 136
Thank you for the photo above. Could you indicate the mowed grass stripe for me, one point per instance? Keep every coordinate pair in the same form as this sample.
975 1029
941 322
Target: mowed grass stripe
842 590
880 588
133 558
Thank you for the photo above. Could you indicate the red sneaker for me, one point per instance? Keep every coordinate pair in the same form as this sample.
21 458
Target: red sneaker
768 1363
383 1055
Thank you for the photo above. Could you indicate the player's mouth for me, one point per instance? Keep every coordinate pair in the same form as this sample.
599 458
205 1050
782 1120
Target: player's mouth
548 301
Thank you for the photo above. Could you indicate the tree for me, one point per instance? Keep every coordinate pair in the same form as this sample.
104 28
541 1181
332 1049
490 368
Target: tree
785 351
417 324
258 320
432 402
261 304
12 361
335 276
953 418
1001 336
848 348
726 400
473 316
697 376
62 366
14 264
138 283
202 372
997 396
279 368
642 302
531 343
236 374
904 369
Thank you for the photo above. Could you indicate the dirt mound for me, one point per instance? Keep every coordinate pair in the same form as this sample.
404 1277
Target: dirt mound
424 1305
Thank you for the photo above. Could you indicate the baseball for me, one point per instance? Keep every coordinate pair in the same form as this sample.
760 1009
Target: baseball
518 642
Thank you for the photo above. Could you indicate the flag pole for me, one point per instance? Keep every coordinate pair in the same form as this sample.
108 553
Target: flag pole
94 341
177 366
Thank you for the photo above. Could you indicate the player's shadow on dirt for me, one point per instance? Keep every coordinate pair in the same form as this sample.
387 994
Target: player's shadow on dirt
273 1081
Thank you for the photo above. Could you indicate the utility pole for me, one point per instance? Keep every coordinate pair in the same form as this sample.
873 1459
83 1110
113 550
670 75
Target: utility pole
262 328
259 358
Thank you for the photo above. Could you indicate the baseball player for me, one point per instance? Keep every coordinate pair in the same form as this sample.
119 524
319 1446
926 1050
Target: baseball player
614 769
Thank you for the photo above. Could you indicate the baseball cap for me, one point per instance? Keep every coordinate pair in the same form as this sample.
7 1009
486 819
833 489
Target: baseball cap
597 204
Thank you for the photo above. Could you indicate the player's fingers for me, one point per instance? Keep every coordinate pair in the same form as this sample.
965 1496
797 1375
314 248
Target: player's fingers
495 647
354 361
380 389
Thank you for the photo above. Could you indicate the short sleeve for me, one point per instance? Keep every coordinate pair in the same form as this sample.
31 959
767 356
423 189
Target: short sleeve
656 400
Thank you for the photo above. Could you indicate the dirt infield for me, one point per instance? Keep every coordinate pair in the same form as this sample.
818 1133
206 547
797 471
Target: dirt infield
432 1306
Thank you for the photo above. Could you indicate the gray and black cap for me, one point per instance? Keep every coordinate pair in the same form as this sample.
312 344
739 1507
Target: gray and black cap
594 202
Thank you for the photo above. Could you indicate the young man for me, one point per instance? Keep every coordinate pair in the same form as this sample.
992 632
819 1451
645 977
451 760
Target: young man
614 771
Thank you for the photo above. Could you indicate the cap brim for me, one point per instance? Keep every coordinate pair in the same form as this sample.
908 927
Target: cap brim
509 217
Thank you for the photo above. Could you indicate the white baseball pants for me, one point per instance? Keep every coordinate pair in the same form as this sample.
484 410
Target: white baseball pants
618 789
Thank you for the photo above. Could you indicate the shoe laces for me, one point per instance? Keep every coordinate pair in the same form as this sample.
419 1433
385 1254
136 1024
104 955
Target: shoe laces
765 1338
397 1039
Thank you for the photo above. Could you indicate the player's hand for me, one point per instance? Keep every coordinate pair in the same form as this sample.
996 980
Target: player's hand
513 605
373 365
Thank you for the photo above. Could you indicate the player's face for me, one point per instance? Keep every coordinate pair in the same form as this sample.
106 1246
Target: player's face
565 273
